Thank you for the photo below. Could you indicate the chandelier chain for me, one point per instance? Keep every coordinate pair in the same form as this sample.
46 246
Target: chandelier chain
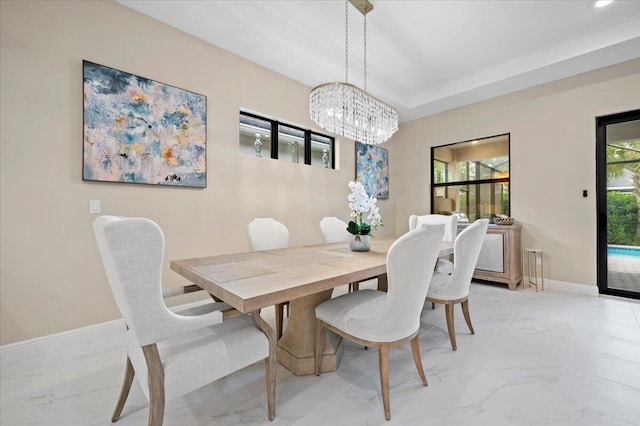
346 41
365 53
346 110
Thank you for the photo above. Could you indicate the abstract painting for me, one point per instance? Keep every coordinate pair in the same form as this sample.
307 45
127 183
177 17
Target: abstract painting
138 130
372 169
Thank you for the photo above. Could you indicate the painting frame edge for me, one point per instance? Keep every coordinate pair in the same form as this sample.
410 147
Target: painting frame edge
158 184
358 174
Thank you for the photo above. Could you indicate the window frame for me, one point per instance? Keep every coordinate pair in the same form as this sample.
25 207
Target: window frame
471 182
275 126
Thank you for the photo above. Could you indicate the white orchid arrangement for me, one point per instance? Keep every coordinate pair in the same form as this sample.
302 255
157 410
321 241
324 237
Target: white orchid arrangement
360 203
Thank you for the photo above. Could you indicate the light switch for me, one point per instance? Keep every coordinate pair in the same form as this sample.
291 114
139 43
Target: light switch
94 206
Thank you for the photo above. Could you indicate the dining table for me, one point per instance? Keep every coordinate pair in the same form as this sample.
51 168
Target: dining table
303 276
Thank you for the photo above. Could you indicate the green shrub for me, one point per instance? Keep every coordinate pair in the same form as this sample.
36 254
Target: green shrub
622 217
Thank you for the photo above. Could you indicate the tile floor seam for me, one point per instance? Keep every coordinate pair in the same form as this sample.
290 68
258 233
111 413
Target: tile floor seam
562 368
583 403
369 373
366 373
609 380
460 379
636 315
608 414
332 398
444 395
55 387
485 347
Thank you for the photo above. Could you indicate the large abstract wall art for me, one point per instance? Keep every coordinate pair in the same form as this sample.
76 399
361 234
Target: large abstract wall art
138 130
372 169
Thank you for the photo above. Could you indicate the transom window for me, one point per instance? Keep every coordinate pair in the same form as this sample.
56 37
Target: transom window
261 136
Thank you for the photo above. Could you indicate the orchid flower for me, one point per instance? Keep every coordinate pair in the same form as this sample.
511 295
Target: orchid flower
359 204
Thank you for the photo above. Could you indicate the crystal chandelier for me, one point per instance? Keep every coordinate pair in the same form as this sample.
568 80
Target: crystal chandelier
344 109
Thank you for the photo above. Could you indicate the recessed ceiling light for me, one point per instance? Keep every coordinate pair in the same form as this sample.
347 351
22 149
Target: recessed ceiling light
603 3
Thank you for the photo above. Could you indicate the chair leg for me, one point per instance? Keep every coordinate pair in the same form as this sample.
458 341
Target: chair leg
270 370
279 319
156 385
467 318
319 345
415 349
269 363
433 305
356 286
129 373
383 361
448 309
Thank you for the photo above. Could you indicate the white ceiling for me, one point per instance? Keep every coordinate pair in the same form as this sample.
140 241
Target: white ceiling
423 57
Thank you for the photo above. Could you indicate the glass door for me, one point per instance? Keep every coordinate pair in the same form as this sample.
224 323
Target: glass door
618 194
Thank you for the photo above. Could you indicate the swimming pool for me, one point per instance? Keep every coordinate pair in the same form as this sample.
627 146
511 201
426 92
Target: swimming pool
624 251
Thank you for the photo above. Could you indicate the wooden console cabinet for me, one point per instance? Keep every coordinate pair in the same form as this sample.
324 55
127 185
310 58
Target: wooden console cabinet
500 256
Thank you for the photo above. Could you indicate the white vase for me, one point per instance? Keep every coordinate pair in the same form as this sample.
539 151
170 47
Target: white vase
257 145
360 242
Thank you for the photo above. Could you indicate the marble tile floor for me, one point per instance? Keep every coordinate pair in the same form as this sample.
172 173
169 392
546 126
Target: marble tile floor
545 358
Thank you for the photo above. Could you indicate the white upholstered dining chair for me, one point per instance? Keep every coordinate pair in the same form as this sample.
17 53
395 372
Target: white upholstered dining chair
334 230
171 354
266 233
444 264
451 289
377 319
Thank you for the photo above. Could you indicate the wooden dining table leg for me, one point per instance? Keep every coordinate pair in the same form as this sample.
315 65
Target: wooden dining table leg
382 283
296 348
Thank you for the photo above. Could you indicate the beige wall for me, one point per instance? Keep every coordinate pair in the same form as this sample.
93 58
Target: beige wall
51 276
52 279
552 160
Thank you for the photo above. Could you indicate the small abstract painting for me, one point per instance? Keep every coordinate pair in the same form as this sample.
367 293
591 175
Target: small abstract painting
138 130
372 169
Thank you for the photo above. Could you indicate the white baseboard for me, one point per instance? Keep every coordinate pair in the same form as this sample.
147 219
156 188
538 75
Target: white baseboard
58 341
568 287
67 339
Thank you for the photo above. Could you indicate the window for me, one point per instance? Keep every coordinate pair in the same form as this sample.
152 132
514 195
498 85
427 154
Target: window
255 136
322 150
265 137
472 177
439 171
290 143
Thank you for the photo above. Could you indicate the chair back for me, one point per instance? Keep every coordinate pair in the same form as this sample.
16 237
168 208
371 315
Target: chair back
267 234
410 262
466 250
333 230
450 222
132 251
